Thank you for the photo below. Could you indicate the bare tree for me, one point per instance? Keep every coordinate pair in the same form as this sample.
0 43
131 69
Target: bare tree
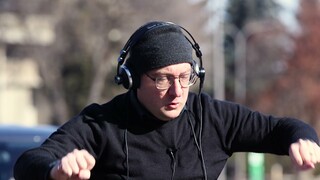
78 68
295 92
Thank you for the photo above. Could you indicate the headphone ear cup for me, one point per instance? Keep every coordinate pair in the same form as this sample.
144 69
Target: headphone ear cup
195 67
125 77
200 72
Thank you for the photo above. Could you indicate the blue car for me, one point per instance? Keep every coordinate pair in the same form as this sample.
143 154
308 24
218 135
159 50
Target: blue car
14 140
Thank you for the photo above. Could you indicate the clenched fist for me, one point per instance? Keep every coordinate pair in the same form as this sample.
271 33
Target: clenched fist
75 165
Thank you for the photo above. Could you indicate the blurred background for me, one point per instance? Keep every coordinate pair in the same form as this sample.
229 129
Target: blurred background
57 56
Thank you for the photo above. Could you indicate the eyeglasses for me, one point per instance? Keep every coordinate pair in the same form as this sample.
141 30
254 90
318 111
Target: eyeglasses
165 81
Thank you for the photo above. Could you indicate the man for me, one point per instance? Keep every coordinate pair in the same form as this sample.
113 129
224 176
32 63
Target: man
160 130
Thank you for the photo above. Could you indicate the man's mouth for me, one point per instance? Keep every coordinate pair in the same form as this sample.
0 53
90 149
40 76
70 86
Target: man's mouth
173 105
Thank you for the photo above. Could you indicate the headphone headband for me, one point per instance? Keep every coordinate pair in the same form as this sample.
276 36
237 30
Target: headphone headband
125 77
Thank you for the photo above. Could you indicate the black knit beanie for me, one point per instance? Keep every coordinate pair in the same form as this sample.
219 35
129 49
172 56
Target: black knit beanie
159 47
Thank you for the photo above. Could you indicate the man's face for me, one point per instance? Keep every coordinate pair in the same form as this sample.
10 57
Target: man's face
165 104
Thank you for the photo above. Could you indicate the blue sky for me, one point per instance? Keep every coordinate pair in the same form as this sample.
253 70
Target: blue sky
287 15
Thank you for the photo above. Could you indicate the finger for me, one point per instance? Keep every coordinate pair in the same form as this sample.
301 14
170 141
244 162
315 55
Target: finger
73 163
84 174
81 161
294 153
316 152
89 159
65 167
312 152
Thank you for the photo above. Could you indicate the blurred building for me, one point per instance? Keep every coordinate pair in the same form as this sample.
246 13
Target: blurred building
19 76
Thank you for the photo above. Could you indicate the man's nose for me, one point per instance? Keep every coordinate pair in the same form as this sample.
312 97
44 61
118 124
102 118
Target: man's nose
176 88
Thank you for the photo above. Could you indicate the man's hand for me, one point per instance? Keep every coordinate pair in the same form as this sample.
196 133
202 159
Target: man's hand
305 154
75 165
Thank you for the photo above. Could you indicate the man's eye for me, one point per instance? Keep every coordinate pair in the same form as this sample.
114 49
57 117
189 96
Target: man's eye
187 76
162 78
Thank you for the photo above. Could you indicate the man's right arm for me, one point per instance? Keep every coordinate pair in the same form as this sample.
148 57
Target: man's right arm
33 164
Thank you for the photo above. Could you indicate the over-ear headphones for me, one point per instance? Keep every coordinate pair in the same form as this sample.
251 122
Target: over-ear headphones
126 77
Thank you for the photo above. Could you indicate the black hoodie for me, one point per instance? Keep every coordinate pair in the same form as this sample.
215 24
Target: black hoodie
129 143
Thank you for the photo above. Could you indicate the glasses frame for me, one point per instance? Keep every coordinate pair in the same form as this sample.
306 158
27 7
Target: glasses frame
192 80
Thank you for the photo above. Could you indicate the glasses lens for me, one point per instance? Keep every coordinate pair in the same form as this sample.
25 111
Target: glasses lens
193 79
185 80
164 82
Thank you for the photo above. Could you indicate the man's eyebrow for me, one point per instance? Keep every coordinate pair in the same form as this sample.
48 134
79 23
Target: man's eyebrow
166 74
